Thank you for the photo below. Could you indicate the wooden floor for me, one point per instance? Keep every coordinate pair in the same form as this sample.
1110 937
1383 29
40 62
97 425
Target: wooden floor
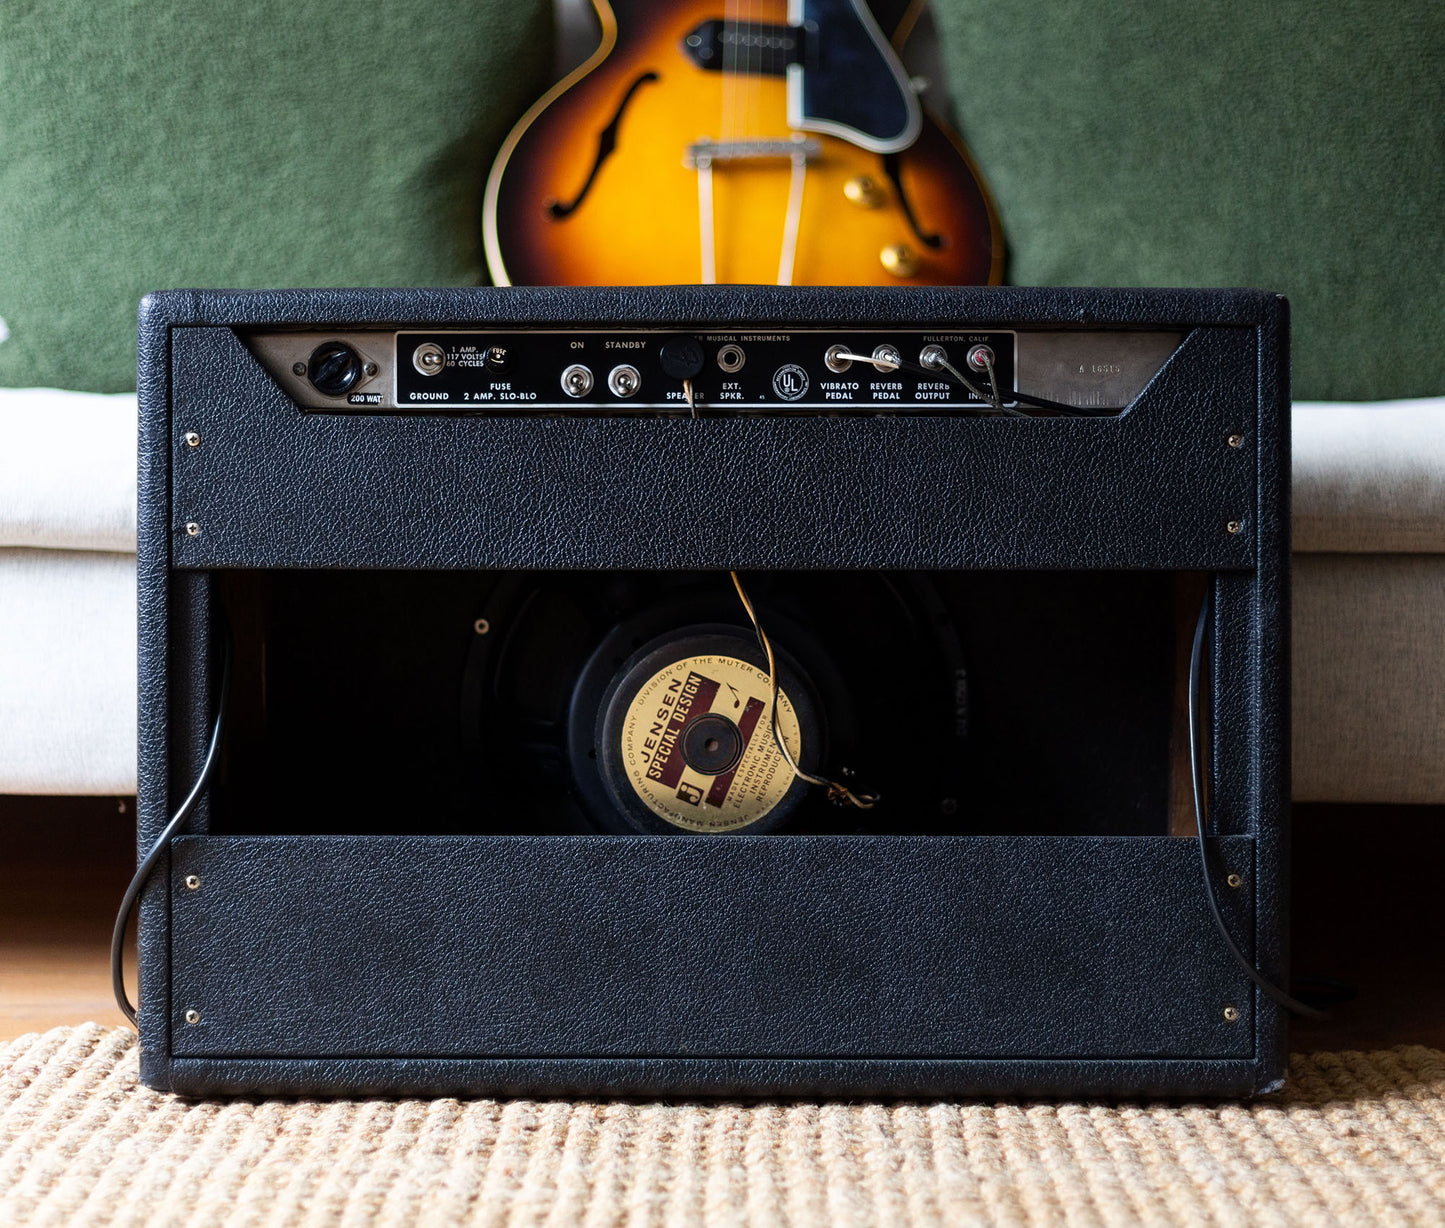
63 868
1366 912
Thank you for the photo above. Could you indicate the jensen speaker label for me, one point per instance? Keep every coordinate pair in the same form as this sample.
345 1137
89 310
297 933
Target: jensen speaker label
698 748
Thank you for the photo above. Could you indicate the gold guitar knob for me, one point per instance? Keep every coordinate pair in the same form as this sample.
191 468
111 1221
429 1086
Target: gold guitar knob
898 259
864 190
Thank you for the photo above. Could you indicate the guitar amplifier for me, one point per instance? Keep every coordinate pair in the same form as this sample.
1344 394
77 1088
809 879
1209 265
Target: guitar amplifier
714 691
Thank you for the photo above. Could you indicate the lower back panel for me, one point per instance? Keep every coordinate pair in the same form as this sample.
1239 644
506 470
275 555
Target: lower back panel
810 947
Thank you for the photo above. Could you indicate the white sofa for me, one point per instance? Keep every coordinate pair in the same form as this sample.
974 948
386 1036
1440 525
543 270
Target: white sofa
1369 597
1369 602
67 592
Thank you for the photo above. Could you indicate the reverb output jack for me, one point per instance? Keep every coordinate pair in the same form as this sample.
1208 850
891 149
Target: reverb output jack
932 358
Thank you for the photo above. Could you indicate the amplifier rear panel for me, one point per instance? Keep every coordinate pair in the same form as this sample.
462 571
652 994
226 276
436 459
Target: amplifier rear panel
741 370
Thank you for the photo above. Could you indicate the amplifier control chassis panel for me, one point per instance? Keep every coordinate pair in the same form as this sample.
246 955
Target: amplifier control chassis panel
640 371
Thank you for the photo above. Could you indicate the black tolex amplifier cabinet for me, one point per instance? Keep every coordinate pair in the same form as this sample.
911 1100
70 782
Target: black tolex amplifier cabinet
500 803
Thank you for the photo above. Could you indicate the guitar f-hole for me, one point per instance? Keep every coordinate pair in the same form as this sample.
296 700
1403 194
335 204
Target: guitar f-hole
931 239
606 145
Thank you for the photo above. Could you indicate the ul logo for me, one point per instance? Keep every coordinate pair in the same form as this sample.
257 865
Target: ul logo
790 382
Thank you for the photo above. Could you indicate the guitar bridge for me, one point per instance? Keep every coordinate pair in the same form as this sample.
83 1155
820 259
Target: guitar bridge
702 154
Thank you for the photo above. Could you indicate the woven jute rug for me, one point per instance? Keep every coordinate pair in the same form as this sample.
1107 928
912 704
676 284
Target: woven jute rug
1358 1139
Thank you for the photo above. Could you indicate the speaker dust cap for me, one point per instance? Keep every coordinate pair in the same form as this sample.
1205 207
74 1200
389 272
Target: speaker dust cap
687 745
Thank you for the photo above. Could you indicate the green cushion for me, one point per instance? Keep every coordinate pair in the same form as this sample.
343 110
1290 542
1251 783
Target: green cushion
153 144
1297 146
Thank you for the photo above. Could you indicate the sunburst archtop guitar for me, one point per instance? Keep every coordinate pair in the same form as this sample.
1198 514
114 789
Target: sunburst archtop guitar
753 141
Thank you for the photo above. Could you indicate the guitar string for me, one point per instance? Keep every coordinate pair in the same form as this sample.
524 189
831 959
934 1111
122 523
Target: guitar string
706 217
729 70
741 67
740 79
731 16
755 74
742 95
792 209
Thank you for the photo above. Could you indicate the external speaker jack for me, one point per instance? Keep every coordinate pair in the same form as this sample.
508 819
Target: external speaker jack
731 358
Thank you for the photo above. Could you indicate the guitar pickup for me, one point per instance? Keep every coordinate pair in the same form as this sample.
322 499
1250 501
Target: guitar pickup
744 47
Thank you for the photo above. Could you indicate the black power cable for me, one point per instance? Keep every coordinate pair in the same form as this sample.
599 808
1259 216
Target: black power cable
148 862
1196 775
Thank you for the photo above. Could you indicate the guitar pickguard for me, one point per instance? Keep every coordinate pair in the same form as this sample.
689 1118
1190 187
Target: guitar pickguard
843 77
850 84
